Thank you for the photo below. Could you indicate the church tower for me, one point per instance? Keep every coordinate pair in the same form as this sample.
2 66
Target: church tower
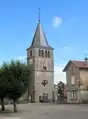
40 54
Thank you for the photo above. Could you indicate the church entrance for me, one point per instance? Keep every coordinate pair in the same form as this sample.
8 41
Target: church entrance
43 98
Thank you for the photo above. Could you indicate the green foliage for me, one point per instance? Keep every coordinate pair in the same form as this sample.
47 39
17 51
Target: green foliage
20 75
3 86
3 83
21 71
61 88
3 80
15 80
15 90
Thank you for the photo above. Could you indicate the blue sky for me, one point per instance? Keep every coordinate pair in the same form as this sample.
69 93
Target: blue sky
65 23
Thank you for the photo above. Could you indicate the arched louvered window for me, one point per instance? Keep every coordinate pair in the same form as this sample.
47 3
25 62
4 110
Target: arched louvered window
39 52
45 53
31 53
48 53
42 53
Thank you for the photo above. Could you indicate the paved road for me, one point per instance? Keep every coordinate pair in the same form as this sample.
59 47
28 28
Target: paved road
48 111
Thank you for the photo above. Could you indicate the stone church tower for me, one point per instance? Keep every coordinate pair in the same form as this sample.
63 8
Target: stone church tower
40 54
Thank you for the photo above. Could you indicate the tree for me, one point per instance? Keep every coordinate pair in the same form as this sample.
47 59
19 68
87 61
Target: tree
19 81
61 89
3 83
15 80
15 90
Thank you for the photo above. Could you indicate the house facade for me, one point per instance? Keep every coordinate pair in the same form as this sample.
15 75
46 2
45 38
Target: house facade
77 80
65 91
40 55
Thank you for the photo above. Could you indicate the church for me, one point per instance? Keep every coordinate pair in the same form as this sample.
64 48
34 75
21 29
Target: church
40 55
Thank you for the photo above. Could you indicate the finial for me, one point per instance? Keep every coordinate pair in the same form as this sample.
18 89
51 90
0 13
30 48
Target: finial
39 14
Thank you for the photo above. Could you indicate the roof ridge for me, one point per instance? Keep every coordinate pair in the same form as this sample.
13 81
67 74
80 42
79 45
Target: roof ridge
79 64
78 60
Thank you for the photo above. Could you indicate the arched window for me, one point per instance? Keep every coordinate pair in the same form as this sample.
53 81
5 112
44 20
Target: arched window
45 53
48 53
31 53
39 52
42 53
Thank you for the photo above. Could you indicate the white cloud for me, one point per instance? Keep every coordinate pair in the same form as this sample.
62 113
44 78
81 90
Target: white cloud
67 49
21 58
58 74
56 22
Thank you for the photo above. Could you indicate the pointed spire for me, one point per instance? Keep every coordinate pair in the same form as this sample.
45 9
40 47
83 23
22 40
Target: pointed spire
39 38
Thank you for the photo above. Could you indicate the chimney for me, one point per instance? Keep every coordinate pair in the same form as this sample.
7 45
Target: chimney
86 60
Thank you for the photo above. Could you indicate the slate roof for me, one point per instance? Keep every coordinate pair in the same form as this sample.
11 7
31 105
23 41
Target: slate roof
39 39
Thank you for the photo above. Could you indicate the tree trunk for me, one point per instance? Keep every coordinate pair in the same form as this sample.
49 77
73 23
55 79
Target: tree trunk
2 104
14 106
28 96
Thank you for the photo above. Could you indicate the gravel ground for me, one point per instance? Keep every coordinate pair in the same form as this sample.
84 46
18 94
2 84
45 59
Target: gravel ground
46 111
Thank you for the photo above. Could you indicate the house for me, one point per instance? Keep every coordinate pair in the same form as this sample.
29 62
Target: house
77 80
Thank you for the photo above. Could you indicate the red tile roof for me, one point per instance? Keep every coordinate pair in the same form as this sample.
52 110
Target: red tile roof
79 64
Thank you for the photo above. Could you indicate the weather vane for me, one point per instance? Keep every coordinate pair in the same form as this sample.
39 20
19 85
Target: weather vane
39 14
